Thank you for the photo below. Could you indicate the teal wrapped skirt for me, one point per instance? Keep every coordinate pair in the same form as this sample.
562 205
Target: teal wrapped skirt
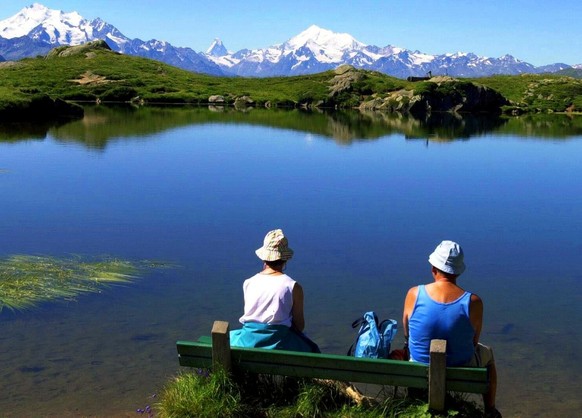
275 337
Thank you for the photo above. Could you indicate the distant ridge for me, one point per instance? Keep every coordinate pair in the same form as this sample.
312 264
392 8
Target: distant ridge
36 29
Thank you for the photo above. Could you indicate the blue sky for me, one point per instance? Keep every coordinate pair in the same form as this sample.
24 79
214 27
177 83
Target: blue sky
537 31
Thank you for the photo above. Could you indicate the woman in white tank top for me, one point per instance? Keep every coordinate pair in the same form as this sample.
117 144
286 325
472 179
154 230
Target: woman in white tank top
273 302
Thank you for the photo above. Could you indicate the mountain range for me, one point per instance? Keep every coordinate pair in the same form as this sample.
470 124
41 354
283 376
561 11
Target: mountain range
36 29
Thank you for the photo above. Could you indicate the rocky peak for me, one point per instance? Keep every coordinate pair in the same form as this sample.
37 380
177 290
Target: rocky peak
217 49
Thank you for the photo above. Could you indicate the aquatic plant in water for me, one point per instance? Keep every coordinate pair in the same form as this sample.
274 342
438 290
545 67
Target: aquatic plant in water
28 280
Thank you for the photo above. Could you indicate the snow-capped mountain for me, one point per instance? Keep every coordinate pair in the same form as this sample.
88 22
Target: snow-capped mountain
36 29
318 49
52 26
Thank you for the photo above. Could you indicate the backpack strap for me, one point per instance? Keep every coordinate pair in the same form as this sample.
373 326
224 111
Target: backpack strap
357 323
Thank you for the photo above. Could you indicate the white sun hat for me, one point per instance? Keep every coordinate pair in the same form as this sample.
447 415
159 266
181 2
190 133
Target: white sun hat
275 247
448 257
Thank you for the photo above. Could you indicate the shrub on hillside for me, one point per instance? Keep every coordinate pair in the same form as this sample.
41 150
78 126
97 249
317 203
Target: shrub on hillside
119 94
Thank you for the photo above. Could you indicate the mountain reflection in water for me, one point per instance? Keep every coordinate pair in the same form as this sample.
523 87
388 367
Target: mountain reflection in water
103 124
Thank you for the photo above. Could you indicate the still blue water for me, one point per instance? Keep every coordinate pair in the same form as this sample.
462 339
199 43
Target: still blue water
361 215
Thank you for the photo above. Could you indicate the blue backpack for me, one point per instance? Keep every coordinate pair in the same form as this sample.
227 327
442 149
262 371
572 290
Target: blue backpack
373 339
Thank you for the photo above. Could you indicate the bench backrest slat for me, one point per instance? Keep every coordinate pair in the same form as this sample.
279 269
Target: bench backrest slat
327 366
207 339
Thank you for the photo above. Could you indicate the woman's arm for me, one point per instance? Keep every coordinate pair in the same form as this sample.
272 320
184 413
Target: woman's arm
297 310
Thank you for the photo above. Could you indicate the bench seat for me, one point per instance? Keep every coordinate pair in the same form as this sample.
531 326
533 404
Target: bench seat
209 351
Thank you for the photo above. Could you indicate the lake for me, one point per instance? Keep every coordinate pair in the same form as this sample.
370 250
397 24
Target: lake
364 198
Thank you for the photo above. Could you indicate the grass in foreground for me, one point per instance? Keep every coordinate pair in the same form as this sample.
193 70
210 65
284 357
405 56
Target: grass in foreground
200 395
203 394
28 280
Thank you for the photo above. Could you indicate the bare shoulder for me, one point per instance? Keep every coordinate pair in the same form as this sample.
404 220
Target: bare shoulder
475 298
476 301
409 303
412 292
297 289
411 296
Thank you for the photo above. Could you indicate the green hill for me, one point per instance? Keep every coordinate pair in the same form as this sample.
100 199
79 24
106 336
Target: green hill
571 72
94 73
538 93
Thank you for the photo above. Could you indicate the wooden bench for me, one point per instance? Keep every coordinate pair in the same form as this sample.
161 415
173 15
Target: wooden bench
215 351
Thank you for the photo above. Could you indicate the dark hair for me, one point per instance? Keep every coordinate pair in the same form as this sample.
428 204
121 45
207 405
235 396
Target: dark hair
276 265
447 275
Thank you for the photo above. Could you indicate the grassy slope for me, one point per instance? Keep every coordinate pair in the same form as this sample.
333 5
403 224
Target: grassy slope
538 92
118 77
122 76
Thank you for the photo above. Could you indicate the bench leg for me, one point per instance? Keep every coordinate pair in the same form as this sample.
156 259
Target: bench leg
437 370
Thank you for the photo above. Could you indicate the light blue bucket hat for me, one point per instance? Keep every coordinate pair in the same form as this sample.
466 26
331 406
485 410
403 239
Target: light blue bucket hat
448 257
